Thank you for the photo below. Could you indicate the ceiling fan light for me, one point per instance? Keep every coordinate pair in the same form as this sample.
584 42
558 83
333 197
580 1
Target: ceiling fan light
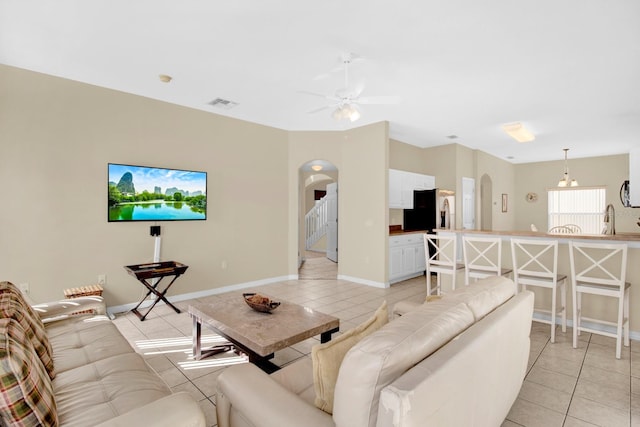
518 132
354 115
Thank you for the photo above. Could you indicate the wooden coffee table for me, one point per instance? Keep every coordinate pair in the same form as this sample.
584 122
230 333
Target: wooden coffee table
255 334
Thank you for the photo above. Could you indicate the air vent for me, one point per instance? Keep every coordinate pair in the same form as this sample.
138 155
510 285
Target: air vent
452 136
224 104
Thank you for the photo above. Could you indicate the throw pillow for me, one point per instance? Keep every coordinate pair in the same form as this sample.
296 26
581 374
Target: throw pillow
327 357
13 305
26 393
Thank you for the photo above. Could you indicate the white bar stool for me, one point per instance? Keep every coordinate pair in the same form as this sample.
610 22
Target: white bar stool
600 269
535 263
443 260
482 258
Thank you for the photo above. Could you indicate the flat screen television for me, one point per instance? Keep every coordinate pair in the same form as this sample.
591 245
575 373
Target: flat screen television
143 193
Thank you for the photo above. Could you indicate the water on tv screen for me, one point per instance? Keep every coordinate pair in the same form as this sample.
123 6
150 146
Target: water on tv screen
142 193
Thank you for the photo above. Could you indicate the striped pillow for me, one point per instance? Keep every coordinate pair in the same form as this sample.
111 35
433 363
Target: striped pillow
26 393
14 306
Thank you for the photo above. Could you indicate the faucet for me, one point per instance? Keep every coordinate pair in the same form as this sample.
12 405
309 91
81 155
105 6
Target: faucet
610 219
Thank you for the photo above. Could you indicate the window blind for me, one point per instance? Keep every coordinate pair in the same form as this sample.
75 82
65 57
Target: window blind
583 207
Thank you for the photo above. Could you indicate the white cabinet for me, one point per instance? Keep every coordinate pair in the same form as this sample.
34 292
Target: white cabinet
395 189
402 184
406 256
424 182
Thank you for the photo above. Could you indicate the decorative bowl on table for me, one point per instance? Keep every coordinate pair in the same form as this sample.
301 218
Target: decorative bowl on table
260 303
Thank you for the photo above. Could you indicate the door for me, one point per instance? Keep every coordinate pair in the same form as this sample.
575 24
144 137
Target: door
468 203
332 221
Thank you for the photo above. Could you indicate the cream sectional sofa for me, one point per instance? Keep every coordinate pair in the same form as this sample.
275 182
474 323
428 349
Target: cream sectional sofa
61 368
457 361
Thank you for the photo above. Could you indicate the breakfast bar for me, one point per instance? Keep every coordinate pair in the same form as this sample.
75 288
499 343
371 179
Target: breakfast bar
601 307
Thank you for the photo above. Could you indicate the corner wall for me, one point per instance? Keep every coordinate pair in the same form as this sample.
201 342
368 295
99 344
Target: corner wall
57 137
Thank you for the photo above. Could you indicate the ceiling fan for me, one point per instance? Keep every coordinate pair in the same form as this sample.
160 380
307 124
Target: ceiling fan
346 101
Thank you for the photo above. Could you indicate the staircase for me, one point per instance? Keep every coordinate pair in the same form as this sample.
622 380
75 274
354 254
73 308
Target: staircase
315 223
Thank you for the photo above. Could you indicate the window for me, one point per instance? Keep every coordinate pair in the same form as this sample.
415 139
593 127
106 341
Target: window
583 207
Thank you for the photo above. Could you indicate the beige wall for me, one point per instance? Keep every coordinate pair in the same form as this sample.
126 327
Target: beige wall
361 156
449 164
56 138
609 171
502 175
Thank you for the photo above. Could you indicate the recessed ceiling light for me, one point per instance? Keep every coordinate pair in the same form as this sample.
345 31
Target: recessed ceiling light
316 168
164 78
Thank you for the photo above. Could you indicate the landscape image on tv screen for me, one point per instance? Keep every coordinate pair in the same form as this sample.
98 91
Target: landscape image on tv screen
141 193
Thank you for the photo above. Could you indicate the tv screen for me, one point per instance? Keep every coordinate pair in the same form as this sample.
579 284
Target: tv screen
142 193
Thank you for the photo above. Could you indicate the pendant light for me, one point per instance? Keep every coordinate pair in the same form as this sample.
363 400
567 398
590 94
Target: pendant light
566 181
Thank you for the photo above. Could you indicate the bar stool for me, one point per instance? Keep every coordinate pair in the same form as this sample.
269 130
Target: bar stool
535 263
440 253
482 258
600 269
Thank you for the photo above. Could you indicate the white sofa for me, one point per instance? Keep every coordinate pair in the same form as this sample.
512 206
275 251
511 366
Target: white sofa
457 361
62 368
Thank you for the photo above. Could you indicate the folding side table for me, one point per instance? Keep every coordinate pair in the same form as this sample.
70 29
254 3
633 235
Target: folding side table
158 271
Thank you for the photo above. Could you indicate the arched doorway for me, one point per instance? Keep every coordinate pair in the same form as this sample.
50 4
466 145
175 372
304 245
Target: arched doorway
318 220
486 202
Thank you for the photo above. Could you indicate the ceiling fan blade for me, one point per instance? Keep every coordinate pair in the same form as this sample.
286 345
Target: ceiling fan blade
317 110
378 100
328 97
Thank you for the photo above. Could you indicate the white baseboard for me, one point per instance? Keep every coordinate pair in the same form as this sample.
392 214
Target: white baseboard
363 281
634 335
200 294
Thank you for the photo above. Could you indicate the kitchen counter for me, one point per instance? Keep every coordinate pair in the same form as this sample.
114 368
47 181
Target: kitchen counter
619 237
396 232
594 303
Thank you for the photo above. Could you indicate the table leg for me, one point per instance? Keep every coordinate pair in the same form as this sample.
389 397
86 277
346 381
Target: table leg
326 336
197 343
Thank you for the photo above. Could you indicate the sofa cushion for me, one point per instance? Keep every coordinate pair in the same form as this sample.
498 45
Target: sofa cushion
381 357
104 389
327 357
483 296
13 305
81 341
297 377
26 394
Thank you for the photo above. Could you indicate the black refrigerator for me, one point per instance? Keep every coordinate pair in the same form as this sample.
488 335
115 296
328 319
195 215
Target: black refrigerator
425 214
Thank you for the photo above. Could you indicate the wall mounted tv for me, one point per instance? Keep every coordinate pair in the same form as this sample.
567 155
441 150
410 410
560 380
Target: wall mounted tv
142 193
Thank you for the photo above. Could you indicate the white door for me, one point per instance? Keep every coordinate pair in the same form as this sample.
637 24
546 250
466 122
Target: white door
468 203
332 221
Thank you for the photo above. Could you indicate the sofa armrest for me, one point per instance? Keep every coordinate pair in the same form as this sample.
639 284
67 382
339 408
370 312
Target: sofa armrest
63 309
263 402
178 409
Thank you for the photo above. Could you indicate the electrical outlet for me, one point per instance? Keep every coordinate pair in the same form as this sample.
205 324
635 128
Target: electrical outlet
24 287
102 279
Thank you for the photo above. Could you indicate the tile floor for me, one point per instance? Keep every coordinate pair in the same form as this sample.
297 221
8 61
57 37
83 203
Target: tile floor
563 387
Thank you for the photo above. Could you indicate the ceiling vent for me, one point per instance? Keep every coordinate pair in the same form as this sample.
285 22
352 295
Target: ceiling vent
224 104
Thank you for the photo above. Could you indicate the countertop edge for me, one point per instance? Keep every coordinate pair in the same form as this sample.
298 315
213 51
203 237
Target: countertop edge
623 237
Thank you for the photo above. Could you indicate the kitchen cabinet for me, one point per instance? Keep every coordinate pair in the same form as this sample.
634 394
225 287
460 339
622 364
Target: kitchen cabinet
402 184
406 256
